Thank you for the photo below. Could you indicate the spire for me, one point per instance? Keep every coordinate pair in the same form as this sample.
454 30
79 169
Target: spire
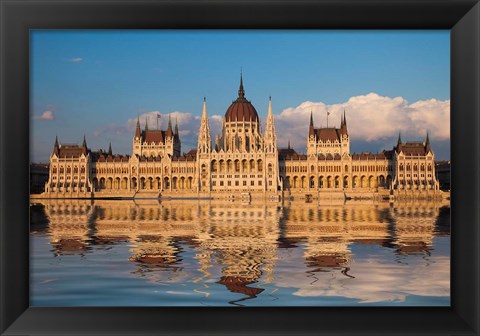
343 125
146 123
176 125
241 91
204 108
288 144
169 130
427 144
137 130
270 112
204 140
311 130
110 149
270 132
84 145
399 143
56 147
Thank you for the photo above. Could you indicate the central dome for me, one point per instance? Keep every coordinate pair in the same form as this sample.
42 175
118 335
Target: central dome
241 109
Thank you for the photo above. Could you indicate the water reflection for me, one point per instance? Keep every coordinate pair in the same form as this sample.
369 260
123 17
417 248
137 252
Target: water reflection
366 252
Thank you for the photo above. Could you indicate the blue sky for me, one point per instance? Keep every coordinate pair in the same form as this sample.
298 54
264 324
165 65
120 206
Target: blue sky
96 82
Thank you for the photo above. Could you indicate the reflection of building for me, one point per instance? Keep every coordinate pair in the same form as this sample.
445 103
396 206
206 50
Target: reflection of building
243 240
244 158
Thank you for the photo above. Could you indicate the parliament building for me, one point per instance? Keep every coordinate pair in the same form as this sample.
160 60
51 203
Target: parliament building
242 162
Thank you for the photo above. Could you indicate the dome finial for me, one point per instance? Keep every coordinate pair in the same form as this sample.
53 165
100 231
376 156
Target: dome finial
241 91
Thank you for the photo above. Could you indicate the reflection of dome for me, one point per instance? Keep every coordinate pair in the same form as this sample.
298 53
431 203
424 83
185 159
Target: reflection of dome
241 109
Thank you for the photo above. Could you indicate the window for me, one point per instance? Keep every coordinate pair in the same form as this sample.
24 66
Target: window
244 183
252 183
229 183
221 183
259 182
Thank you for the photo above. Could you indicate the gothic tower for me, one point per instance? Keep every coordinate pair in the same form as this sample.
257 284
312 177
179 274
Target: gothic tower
203 152
271 152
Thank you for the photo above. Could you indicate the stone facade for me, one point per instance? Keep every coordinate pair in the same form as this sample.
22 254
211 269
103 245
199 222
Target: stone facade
242 162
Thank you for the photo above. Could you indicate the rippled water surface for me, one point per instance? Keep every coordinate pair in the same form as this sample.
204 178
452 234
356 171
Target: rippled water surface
210 253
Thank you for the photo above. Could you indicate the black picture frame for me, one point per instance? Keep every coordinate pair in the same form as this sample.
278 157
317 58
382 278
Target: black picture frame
17 17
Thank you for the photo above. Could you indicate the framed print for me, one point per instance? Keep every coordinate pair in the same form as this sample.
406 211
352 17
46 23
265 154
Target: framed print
333 177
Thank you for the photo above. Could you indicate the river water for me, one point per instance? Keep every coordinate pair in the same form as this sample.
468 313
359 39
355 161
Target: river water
212 253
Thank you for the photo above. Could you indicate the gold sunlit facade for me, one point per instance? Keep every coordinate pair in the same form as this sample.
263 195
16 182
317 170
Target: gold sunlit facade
242 162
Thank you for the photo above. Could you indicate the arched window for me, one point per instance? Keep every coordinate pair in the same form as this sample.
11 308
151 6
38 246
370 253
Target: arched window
401 167
214 166
260 165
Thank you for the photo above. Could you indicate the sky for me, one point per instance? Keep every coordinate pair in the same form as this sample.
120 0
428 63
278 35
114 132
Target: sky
96 83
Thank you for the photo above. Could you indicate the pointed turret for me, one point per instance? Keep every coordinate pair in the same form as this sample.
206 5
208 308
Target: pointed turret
427 144
288 144
169 129
56 147
343 126
204 139
311 130
399 143
110 149
146 123
270 133
176 134
137 130
84 145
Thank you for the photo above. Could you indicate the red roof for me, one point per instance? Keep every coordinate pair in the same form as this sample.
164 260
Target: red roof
240 110
325 134
156 136
413 149
70 151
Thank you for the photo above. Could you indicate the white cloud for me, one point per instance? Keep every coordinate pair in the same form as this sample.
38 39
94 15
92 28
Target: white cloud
370 118
47 115
75 59
375 280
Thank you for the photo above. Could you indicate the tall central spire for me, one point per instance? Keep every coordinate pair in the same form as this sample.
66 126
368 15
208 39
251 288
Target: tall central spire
241 91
